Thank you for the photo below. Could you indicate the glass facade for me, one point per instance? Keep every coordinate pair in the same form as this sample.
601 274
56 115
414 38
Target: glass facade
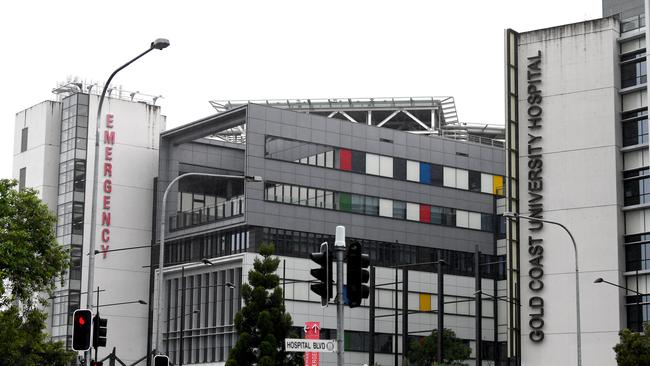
638 311
380 165
635 127
70 207
633 68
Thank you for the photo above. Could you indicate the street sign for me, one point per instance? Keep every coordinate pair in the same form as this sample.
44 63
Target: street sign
309 345
312 331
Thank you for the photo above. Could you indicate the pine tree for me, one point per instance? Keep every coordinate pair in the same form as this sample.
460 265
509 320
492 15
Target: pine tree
263 324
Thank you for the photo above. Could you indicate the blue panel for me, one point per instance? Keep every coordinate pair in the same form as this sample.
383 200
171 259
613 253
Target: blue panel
425 173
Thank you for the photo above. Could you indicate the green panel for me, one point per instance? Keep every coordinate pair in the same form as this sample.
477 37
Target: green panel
345 202
346 341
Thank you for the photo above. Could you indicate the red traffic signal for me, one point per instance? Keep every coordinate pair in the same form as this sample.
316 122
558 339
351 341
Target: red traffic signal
82 322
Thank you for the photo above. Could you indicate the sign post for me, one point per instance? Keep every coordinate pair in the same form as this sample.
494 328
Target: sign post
312 331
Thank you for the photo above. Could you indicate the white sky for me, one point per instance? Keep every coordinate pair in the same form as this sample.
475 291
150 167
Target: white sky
267 50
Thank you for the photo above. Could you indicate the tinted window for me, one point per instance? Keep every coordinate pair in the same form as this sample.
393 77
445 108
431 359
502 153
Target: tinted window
474 181
359 162
399 168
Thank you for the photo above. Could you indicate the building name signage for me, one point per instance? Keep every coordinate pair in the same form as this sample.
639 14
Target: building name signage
109 142
535 197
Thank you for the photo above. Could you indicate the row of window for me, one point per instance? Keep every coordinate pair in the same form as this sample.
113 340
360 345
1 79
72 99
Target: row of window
292 243
637 252
375 206
638 311
633 69
381 165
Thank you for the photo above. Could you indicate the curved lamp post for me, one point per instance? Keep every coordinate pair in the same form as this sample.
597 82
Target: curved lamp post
163 219
158 44
514 215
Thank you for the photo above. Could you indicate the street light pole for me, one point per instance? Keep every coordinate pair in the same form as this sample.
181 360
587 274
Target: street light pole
512 215
158 44
163 220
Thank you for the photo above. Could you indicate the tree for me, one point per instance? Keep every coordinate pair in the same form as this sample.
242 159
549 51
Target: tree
23 342
423 352
30 257
30 261
633 348
263 324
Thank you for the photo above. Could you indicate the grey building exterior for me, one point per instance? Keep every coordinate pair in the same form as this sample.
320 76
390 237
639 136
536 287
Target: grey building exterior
407 198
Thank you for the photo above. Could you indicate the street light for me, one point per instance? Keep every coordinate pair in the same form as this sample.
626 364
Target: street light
512 215
163 220
158 44
600 280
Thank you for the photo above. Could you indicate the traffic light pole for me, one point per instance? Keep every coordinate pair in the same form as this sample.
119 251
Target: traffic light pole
339 248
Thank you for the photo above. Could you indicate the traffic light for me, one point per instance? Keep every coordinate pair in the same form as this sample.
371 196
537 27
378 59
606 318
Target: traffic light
322 274
100 327
96 363
160 360
81 329
358 274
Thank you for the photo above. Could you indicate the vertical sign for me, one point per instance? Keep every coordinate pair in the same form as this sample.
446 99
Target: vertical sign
109 142
312 331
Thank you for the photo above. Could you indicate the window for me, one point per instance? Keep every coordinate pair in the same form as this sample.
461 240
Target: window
412 171
358 162
21 178
462 179
636 191
345 158
638 311
399 210
633 72
412 211
372 164
462 218
372 206
474 181
425 173
386 166
385 207
635 127
23 140
449 177
637 257
436 175
399 168
358 204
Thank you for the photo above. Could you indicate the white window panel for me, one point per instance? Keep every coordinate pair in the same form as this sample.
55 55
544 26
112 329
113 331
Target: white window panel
634 100
462 179
312 160
449 177
329 159
412 211
475 220
634 222
385 207
412 171
386 166
329 200
320 159
372 164
486 183
635 159
320 198
303 161
462 218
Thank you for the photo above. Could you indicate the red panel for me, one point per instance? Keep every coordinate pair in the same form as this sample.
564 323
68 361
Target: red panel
425 213
346 159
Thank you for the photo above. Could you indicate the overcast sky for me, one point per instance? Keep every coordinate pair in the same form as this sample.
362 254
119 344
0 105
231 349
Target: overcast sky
268 50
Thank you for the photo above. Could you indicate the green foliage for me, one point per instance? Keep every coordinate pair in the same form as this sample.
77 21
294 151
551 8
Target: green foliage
263 324
633 348
423 352
23 342
30 257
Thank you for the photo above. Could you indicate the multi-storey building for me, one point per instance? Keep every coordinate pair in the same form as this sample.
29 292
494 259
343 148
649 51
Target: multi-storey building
54 153
577 154
408 197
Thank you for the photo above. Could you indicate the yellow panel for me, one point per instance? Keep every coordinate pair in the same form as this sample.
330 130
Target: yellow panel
497 185
425 302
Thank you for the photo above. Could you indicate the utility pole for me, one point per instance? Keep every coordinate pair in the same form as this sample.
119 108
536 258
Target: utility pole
441 310
339 248
405 314
478 306
371 327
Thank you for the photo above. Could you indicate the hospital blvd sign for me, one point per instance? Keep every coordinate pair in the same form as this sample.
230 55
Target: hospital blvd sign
309 345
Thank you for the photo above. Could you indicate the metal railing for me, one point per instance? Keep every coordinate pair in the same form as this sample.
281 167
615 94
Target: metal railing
185 219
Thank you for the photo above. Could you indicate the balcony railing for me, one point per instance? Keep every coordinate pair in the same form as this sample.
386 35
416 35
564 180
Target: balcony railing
207 215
